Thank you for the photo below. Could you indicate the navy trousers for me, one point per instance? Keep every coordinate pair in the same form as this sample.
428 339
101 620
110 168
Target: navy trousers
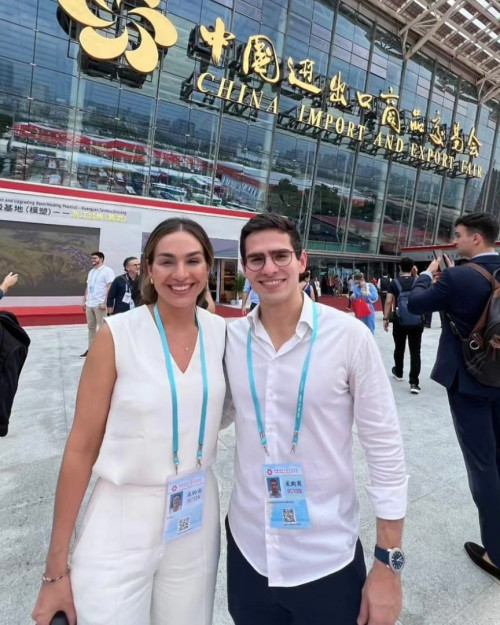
477 424
331 600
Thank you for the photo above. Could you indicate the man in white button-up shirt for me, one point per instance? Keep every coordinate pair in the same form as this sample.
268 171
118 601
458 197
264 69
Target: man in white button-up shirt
297 559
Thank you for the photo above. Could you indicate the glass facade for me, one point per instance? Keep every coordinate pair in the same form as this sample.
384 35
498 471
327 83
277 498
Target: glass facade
69 120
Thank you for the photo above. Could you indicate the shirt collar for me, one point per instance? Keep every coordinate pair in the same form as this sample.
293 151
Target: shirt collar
485 254
305 321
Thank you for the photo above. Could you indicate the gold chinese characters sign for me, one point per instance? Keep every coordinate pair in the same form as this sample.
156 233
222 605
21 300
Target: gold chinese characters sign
332 104
382 125
99 38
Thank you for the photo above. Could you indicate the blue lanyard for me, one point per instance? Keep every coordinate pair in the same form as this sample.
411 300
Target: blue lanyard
173 390
302 385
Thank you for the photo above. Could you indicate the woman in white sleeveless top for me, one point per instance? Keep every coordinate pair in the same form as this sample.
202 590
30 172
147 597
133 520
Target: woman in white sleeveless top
148 549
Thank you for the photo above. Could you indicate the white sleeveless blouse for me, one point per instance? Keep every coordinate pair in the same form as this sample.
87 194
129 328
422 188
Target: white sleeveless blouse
137 444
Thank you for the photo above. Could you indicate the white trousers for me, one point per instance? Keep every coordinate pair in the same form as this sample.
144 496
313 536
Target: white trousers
123 574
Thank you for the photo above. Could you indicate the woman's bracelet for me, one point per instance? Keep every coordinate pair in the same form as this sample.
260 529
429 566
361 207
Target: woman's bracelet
51 580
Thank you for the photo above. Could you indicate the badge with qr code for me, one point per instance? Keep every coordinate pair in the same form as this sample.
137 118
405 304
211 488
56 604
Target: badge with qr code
184 505
286 496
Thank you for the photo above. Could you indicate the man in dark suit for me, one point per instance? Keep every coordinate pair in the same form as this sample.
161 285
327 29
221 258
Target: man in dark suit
462 293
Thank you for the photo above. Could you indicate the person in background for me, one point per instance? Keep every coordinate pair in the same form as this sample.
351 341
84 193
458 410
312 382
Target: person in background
305 284
462 294
350 289
383 285
368 292
147 418
254 298
317 286
120 297
402 333
208 301
9 280
99 282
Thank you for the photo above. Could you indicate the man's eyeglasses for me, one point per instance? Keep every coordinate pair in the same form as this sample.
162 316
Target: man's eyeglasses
281 258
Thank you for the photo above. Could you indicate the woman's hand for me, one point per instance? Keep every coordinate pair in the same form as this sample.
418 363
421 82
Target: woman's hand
53 598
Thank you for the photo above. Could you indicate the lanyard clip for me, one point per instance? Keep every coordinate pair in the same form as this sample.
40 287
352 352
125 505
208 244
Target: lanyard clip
199 455
295 440
176 462
263 442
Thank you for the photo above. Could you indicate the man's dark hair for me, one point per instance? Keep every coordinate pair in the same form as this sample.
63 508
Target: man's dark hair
100 254
127 260
481 223
406 264
270 221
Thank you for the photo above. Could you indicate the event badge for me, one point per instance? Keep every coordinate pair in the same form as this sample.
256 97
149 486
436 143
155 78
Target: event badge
127 297
286 496
184 505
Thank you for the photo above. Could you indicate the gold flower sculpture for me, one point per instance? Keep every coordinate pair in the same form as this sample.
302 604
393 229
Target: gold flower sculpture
106 47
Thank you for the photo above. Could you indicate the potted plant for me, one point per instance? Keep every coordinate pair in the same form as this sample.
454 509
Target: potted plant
239 283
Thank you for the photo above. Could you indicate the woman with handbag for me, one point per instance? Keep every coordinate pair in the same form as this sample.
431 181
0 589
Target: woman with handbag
147 416
362 299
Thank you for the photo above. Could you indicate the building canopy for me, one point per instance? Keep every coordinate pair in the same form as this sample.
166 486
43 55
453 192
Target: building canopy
465 30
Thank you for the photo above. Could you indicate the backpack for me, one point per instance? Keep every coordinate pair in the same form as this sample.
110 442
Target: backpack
481 349
14 343
385 283
403 315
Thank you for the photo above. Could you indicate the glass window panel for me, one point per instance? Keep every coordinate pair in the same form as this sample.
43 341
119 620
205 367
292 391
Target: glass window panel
273 17
492 204
453 194
323 15
331 198
321 32
366 207
244 27
99 97
472 201
21 13
54 53
428 189
302 7
291 176
177 61
209 12
253 12
14 129
47 21
15 77
53 87
401 188
190 10
16 42
135 107
298 50
321 44
50 148
299 27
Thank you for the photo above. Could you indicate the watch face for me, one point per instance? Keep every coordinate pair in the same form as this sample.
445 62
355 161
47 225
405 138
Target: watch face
396 560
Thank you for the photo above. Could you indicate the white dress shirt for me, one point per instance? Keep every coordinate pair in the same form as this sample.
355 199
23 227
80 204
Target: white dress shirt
97 285
346 383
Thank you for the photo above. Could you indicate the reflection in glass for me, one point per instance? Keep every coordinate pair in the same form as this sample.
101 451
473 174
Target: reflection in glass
401 188
428 189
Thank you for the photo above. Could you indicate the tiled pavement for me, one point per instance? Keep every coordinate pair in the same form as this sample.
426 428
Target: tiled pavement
441 586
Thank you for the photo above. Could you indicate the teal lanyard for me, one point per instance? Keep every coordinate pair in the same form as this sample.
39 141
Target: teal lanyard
173 390
302 385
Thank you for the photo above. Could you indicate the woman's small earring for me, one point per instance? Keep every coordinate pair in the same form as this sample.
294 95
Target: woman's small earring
152 281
